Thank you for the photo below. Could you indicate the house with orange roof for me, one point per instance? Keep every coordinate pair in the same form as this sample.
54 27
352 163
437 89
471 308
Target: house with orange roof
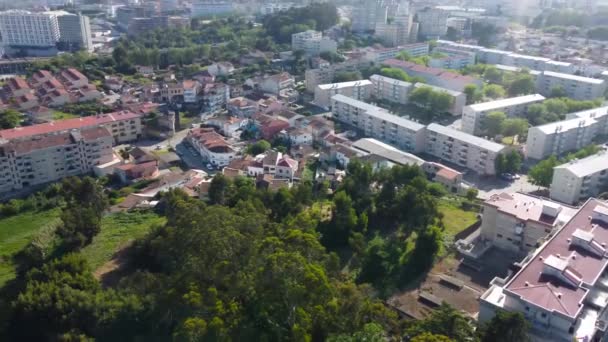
211 146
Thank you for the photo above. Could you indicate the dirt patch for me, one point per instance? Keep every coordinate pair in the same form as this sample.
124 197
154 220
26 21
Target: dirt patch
474 281
110 273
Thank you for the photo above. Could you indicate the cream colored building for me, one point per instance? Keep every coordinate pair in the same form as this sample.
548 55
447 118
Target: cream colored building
576 87
577 131
358 90
578 180
473 115
462 149
41 159
518 222
312 43
390 89
378 123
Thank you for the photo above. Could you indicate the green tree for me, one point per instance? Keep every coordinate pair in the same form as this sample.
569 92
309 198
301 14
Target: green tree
428 337
512 162
445 321
541 174
395 73
258 147
10 118
81 217
471 91
472 194
514 127
219 189
347 76
493 122
494 91
371 332
522 85
558 91
506 326
493 75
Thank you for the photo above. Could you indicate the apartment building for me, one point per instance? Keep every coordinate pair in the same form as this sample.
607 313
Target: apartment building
325 75
578 180
473 115
454 59
462 149
576 87
577 131
29 29
458 99
124 126
212 147
432 22
396 33
380 55
366 14
378 123
358 90
435 76
560 287
312 43
493 56
74 31
39 159
517 222
211 8
390 89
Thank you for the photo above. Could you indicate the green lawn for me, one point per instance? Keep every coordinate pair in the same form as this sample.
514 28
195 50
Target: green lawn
455 218
58 115
117 231
16 232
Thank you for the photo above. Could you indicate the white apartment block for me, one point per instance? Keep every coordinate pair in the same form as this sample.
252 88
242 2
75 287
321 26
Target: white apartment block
458 99
473 115
561 286
28 29
432 22
358 90
299 39
211 146
45 158
325 75
517 222
211 8
577 131
390 89
578 180
378 123
381 55
462 149
493 56
454 59
576 87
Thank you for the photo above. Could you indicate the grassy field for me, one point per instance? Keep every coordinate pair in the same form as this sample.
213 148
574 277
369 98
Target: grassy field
58 115
455 218
16 232
117 231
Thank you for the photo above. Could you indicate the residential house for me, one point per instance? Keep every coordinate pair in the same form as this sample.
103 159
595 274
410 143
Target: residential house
220 69
242 107
212 147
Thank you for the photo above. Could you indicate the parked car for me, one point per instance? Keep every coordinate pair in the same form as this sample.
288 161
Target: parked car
507 176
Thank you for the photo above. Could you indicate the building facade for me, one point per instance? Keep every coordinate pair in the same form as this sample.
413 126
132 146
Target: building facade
29 29
462 149
576 87
378 123
40 159
578 180
473 115
358 90
390 89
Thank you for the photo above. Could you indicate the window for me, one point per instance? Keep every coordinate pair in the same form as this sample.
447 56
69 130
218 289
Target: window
527 308
543 315
499 235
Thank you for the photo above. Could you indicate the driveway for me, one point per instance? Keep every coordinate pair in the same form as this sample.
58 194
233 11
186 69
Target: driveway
490 185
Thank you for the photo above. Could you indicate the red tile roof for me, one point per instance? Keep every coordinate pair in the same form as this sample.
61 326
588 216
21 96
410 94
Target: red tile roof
550 292
64 125
17 83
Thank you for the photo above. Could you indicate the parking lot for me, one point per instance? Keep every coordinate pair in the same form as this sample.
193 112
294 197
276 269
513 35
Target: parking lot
491 185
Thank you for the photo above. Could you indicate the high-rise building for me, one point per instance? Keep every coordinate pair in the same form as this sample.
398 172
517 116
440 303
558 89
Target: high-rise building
74 32
432 23
367 13
211 8
27 29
